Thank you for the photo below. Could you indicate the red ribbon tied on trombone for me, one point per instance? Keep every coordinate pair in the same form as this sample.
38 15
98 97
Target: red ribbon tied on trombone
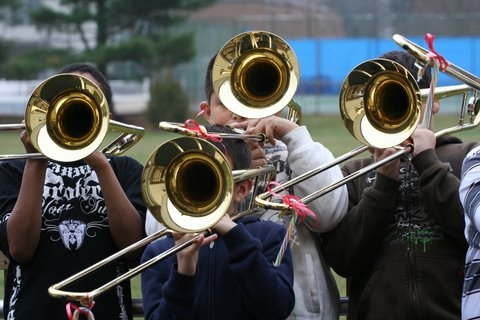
443 64
85 311
193 125
300 208
301 211
293 202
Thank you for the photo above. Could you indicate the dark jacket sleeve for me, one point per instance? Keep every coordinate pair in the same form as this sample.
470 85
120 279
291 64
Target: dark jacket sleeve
166 293
267 290
439 188
354 242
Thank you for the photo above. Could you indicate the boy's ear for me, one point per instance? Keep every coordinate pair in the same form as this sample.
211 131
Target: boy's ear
205 110
243 189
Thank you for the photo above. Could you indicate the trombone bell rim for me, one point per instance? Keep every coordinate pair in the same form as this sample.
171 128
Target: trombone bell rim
369 103
73 97
169 188
255 74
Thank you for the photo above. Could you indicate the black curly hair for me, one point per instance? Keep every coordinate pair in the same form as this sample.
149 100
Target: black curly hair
237 149
100 79
408 61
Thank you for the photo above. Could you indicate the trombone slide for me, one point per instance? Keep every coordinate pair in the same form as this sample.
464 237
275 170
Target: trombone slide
422 56
176 163
85 298
380 92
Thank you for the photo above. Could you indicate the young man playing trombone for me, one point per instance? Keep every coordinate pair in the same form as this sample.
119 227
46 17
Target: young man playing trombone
58 218
292 151
229 274
401 245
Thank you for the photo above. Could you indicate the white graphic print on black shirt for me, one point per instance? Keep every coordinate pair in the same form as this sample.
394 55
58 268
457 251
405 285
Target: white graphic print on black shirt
411 223
67 189
75 232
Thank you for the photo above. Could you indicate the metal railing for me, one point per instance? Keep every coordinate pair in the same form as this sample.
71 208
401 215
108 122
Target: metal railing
137 307
129 97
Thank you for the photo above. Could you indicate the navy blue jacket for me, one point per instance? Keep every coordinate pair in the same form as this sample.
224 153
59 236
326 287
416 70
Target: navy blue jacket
235 278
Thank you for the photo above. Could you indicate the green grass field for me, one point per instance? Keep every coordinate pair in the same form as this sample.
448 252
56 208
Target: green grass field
327 129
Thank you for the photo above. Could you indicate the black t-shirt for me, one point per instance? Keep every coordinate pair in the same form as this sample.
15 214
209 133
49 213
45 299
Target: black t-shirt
75 234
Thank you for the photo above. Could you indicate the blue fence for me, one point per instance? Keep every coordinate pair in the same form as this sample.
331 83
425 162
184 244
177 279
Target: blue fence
324 63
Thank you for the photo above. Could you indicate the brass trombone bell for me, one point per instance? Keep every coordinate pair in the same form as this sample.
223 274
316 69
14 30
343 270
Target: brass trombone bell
67 114
467 119
380 103
255 74
67 117
187 184
368 95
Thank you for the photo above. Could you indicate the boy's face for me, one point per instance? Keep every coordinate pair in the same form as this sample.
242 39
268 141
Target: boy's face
241 190
90 77
217 113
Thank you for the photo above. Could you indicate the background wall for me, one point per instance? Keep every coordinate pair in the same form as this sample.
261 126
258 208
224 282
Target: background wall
325 62
330 60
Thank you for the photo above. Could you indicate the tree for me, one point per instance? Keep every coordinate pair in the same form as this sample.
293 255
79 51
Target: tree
382 18
141 34
7 7
7 10
133 31
168 101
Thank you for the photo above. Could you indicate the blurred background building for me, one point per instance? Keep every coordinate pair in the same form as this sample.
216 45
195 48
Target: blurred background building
330 37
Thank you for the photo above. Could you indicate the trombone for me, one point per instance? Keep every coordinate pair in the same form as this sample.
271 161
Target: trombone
380 104
201 131
67 117
172 192
256 74
423 58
